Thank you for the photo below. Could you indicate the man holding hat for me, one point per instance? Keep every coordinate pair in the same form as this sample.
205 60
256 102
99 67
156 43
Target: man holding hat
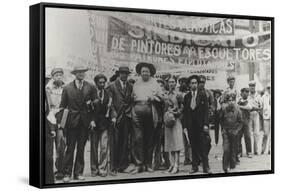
196 119
254 123
121 93
53 94
76 97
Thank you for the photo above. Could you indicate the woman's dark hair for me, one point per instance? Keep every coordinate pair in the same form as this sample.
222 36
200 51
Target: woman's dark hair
174 78
99 76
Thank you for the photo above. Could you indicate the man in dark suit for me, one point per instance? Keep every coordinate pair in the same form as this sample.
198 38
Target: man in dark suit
76 97
121 91
104 118
196 119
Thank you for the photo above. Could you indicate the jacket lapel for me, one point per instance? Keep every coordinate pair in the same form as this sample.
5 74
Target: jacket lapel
119 87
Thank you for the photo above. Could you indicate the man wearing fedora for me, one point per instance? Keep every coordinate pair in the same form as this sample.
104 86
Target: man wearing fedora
76 97
121 93
53 93
196 119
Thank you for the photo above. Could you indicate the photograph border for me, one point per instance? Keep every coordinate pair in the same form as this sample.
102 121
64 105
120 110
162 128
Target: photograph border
37 94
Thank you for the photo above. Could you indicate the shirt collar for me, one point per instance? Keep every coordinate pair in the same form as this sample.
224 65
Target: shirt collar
77 82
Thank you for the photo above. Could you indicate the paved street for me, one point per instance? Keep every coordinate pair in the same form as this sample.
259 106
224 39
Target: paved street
257 163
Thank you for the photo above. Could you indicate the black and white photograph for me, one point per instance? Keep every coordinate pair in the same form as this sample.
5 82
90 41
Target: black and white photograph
132 95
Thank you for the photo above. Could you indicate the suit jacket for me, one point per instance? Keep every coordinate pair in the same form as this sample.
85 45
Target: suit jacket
122 100
100 108
200 113
77 101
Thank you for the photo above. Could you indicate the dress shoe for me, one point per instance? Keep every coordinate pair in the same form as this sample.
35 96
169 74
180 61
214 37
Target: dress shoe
128 169
193 171
94 174
207 171
79 177
136 170
148 169
113 173
187 162
66 179
59 176
175 170
249 155
102 173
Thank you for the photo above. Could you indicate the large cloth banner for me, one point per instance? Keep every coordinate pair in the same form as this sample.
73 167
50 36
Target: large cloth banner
175 44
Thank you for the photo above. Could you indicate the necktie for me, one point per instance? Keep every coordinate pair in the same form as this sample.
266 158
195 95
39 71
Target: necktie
193 101
80 85
124 85
100 94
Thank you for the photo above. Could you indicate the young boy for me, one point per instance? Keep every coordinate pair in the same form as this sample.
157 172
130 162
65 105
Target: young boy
231 123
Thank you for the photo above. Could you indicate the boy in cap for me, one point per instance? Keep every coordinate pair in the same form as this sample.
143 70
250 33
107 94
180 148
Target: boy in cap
231 123
245 108
53 93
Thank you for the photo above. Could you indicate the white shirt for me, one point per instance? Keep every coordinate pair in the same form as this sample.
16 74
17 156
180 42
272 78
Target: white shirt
143 90
78 82
122 84
266 105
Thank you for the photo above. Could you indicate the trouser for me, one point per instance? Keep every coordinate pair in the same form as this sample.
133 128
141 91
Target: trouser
99 160
142 135
267 135
200 146
229 150
113 148
60 143
49 142
216 126
187 149
254 125
75 136
158 147
122 147
246 132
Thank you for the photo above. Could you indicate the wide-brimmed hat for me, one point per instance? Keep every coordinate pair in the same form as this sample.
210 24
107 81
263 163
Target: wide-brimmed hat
217 91
124 69
56 70
79 68
252 83
230 95
148 65
183 78
193 77
244 90
230 78
202 78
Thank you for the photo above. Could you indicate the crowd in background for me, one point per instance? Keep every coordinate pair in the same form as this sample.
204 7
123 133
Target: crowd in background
144 124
